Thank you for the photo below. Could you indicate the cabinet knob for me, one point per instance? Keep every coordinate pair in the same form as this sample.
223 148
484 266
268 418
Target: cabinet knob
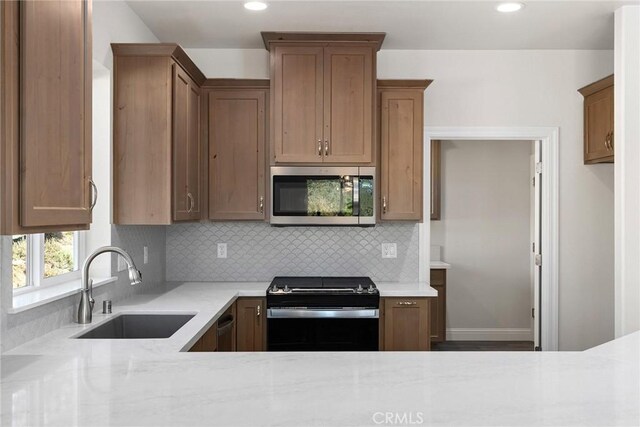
258 311
611 140
326 147
384 204
319 147
261 204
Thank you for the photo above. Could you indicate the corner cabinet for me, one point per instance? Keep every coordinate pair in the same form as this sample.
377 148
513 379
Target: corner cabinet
404 324
401 148
237 126
156 135
598 121
251 330
45 114
323 97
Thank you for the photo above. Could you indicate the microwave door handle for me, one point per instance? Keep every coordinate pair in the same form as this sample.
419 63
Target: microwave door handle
356 196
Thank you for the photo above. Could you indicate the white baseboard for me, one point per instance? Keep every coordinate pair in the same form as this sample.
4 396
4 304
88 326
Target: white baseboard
489 334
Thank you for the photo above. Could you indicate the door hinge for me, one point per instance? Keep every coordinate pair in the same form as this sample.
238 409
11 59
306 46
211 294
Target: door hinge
533 313
538 260
533 181
539 167
533 247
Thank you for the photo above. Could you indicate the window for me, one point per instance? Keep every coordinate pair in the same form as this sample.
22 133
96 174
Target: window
45 259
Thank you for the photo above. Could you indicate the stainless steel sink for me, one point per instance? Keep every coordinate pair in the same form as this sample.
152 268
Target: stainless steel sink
139 326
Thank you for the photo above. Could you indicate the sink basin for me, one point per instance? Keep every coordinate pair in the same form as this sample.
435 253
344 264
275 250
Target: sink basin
139 326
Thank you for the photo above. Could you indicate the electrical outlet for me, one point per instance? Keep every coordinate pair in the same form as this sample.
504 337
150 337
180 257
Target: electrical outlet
146 254
122 265
222 250
389 250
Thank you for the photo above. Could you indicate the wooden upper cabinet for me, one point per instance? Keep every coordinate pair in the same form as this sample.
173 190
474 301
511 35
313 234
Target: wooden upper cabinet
251 329
436 185
406 324
401 149
186 146
348 104
237 159
46 116
598 121
156 135
297 76
323 96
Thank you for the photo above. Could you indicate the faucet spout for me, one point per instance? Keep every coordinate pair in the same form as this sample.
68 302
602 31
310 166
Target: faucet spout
85 308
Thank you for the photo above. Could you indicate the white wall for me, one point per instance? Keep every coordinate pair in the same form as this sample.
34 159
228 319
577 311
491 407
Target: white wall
515 88
627 169
484 232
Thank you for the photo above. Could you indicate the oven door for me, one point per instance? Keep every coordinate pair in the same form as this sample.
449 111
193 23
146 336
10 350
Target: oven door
298 329
322 196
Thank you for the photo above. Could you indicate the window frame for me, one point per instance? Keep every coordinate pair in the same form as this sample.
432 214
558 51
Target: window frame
35 279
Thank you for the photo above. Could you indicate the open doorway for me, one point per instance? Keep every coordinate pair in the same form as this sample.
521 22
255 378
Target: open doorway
486 230
547 171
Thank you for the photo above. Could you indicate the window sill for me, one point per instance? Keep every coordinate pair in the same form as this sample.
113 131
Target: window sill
47 294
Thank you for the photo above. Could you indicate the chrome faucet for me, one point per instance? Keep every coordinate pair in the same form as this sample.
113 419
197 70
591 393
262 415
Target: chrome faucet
85 309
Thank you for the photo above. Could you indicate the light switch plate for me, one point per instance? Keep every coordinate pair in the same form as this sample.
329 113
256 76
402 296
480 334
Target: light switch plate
222 250
389 250
146 254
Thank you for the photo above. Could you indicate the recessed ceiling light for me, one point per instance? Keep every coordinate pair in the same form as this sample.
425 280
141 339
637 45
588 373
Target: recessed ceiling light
255 5
509 7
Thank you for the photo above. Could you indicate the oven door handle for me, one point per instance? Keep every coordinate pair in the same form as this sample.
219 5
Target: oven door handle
323 313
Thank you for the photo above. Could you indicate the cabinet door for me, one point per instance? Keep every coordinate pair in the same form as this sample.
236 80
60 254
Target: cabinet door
55 113
298 114
406 324
348 104
598 116
186 146
401 154
237 122
438 306
208 342
252 326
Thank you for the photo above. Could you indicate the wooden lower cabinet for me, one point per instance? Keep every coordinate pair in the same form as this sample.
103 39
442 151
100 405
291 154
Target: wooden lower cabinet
404 324
439 306
251 332
208 342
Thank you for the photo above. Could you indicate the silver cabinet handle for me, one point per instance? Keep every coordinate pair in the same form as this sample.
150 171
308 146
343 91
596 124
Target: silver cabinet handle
190 203
326 147
261 204
319 147
611 141
606 141
94 192
407 303
384 204
258 311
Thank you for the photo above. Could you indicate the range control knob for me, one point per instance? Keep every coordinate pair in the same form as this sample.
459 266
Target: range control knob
286 289
371 289
359 290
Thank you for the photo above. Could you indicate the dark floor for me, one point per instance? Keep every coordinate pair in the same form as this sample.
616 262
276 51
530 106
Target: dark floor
483 346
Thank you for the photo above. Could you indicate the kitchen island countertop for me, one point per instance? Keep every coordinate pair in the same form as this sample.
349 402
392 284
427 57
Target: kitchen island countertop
57 380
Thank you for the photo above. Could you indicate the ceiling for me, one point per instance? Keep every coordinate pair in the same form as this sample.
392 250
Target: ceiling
416 24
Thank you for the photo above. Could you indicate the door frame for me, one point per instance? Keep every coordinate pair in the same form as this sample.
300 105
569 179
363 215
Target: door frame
549 137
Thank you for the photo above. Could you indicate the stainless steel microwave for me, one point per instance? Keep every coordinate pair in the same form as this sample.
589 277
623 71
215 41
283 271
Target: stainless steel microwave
309 195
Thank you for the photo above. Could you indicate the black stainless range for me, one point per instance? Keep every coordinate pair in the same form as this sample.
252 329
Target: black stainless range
322 314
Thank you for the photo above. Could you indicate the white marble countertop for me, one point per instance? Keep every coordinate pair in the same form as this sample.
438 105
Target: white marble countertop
60 381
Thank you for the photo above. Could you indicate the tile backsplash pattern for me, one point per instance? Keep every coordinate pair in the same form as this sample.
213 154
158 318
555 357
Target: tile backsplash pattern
258 252
16 329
